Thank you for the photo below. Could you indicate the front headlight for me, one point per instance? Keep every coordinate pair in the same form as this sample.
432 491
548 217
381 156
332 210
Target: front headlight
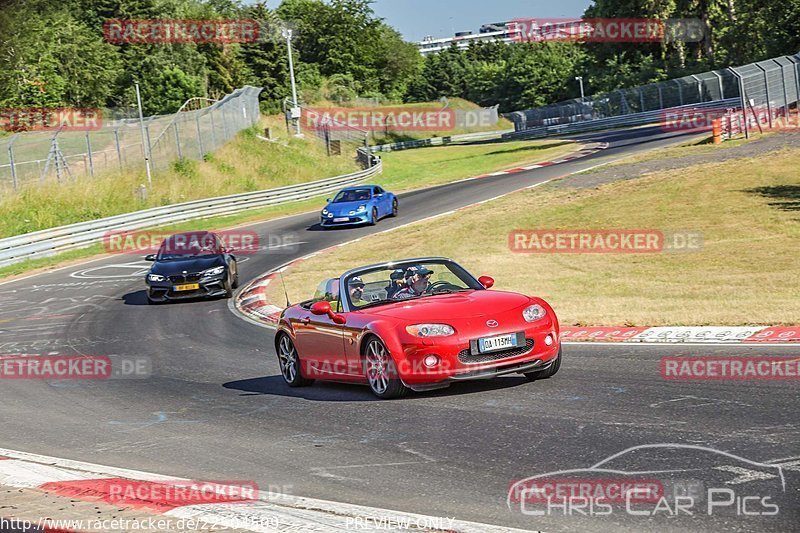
155 277
430 330
361 209
533 312
216 271
324 212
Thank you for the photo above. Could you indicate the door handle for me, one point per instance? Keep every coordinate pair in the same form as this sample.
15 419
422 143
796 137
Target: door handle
305 321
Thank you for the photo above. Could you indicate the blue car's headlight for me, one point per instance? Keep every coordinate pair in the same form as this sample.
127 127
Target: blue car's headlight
324 212
361 209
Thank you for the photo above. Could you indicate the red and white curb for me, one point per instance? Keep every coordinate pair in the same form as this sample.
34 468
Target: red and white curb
569 157
679 334
267 512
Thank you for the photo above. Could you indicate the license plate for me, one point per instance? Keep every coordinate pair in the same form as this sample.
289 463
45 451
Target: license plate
341 219
187 287
501 342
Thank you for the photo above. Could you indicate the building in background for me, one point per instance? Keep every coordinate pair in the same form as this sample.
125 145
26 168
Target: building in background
507 32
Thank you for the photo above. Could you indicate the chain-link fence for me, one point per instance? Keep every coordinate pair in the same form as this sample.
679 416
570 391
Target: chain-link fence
339 138
762 92
200 126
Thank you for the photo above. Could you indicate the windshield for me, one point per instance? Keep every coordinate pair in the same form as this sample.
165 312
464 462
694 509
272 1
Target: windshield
186 246
354 195
405 281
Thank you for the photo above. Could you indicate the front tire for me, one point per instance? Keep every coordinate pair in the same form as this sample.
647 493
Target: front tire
394 208
382 376
548 372
374 219
289 363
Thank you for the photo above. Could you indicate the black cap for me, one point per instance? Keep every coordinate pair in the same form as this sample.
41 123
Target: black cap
417 269
397 274
355 281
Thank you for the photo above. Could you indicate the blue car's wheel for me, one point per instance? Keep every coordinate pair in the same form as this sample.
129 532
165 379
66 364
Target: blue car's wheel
394 208
374 219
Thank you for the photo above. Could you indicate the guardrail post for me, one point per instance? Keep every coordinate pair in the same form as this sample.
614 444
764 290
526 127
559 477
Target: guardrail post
89 153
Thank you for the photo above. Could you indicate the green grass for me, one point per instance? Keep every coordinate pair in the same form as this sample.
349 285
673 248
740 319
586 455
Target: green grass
402 171
422 167
746 273
245 164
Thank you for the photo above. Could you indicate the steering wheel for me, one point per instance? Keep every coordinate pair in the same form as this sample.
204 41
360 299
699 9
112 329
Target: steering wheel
441 285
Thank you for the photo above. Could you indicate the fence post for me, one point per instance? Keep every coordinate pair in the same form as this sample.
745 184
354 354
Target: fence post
89 153
742 98
116 143
213 128
199 136
11 161
660 97
721 88
177 139
785 94
149 148
680 91
795 67
699 88
766 88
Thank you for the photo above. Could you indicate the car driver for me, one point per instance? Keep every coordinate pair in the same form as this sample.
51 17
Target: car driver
417 283
356 288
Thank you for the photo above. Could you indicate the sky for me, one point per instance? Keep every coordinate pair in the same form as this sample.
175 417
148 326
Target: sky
441 18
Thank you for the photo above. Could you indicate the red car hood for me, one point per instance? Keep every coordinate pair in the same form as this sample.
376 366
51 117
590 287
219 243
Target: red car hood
463 305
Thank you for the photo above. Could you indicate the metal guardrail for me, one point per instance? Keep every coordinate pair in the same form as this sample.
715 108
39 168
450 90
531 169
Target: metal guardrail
83 234
438 141
633 119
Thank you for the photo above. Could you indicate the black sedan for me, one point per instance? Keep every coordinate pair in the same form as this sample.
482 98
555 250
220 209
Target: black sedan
191 265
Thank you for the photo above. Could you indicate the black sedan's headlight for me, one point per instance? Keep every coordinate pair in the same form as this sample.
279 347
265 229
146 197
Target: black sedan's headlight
156 277
216 271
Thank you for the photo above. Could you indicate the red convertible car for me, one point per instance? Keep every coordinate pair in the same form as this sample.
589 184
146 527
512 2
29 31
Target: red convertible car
416 324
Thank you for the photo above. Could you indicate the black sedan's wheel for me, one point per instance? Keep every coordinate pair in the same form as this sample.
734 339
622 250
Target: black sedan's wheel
374 219
394 207
289 363
547 372
235 270
381 371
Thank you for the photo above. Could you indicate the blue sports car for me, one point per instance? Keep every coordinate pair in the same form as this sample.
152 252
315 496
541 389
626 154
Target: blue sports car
364 204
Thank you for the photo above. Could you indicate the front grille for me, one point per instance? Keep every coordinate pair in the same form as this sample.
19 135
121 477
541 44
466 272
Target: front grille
185 278
467 358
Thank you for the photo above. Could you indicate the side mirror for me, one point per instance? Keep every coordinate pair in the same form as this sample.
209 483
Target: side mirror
324 308
321 308
486 281
150 257
328 200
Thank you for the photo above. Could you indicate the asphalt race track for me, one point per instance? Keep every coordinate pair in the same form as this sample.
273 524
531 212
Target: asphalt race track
216 406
